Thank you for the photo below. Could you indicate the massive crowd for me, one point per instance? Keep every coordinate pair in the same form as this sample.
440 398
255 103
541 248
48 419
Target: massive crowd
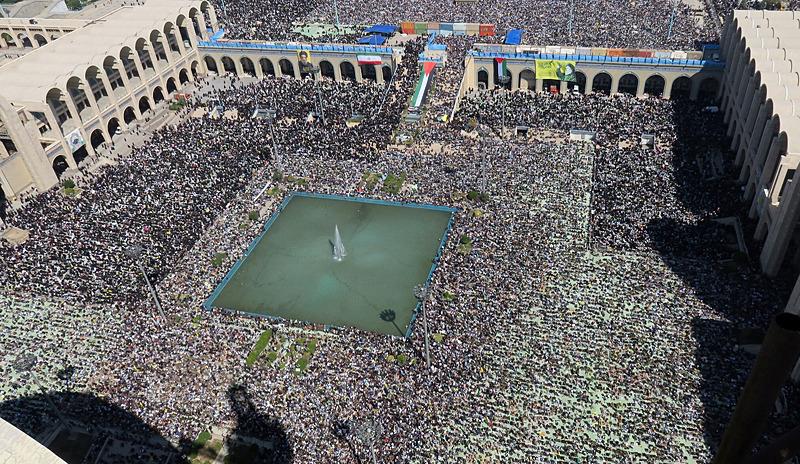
602 24
573 328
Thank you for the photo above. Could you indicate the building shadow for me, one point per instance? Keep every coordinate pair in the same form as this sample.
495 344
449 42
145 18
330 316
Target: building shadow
255 428
94 426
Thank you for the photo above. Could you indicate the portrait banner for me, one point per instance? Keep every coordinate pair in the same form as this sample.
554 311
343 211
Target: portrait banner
75 140
562 70
304 60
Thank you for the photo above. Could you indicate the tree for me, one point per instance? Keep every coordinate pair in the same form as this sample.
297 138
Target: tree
74 5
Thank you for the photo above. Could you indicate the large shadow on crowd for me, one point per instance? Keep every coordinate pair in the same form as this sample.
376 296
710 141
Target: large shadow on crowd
257 428
704 255
80 425
87 423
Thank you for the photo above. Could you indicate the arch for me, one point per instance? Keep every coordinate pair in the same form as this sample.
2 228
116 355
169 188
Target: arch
654 85
129 115
228 65
347 71
211 64
113 125
181 23
158 95
326 69
128 65
80 154
247 66
40 40
527 80
6 40
78 95
483 79
266 67
171 86
96 139
172 41
144 104
194 66
386 70
579 84
25 40
112 74
96 85
183 76
287 68
368 72
55 100
157 42
681 88
628 83
60 165
708 89
601 83
551 86
144 55
194 17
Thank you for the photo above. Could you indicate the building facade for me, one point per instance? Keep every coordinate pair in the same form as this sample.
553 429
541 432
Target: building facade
67 96
761 104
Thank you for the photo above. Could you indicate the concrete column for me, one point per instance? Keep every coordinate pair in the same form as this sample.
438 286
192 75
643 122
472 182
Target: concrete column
762 146
97 110
563 87
56 129
614 84
337 71
3 152
539 84
781 231
695 89
137 62
589 83
770 166
34 43
667 88
379 74
257 65
26 139
113 96
640 86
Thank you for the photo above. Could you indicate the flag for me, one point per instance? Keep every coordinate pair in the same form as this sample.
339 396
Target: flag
369 59
501 66
424 83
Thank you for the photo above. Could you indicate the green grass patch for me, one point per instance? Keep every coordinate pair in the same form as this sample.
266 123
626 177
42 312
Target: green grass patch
402 359
370 180
253 215
447 296
199 443
218 259
437 337
259 347
244 226
302 363
311 347
272 356
274 191
393 183
391 358
477 212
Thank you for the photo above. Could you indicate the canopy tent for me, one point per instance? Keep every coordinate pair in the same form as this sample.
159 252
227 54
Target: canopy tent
383 29
514 37
372 40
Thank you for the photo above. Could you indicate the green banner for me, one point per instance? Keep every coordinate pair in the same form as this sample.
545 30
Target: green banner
561 70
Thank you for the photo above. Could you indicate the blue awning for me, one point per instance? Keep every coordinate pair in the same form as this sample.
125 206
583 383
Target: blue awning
372 40
384 29
514 36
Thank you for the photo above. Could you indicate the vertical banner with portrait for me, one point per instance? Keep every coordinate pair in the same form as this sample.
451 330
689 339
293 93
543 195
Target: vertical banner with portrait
304 61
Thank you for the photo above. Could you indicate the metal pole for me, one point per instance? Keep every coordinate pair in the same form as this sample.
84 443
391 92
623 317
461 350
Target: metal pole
152 289
386 93
321 109
776 359
275 153
422 293
672 18
571 16
336 14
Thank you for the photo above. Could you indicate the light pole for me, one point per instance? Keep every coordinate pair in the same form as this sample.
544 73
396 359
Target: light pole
504 79
571 16
316 72
275 154
25 363
135 252
369 432
672 18
336 14
421 292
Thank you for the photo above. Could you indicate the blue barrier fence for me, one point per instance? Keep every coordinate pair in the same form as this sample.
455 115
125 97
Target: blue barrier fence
601 59
231 44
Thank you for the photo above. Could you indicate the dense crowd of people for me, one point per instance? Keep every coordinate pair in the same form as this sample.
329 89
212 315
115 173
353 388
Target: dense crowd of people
603 24
575 326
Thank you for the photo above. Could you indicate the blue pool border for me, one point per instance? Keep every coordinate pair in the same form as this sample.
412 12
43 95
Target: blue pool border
208 304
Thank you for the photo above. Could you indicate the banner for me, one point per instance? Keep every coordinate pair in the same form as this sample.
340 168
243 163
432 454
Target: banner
304 59
368 59
561 70
423 84
75 140
501 66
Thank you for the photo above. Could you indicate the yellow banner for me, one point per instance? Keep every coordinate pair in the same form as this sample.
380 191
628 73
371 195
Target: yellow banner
561 70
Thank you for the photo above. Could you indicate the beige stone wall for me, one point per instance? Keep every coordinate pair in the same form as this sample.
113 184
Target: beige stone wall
18 448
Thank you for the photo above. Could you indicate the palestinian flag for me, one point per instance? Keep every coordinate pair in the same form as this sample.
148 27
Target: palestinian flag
501 66
423 84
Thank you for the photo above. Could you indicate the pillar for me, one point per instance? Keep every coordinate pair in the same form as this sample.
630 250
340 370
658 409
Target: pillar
27 143
781 231
74 110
